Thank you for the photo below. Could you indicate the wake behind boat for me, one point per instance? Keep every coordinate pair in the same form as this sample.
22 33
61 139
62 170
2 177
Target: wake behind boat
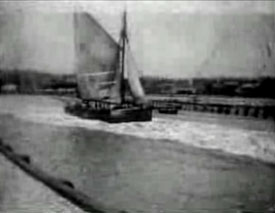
100 70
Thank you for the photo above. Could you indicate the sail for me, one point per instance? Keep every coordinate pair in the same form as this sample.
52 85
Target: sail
134 83
97 61
133 78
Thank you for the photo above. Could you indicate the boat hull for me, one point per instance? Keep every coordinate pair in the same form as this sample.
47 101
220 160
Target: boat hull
120 115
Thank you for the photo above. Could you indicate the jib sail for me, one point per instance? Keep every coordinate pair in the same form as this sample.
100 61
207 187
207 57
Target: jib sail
134 83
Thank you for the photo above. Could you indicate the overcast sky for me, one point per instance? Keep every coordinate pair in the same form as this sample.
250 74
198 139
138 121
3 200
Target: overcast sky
151 6
184 38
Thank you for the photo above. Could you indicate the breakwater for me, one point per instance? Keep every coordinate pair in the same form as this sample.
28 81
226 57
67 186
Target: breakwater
63 187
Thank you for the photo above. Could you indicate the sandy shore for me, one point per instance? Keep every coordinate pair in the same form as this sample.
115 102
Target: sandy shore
239 141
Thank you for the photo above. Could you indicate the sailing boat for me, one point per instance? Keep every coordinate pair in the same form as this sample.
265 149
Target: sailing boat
100 74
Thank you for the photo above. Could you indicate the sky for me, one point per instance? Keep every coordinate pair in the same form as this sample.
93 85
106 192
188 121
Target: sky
183 38
147 6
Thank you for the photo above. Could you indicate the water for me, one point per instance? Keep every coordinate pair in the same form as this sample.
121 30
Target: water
141 174
250 137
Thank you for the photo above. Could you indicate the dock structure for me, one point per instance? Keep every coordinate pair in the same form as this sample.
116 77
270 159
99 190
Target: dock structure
244 107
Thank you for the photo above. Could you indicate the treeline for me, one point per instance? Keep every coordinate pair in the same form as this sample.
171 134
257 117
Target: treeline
242 87
30 81
254 87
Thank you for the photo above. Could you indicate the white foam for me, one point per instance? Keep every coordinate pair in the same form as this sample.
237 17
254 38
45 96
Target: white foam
257 144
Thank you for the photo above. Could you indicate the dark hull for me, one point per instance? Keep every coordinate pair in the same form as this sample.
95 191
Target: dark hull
129 114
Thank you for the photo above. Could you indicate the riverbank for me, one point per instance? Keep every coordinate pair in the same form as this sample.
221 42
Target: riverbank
258 144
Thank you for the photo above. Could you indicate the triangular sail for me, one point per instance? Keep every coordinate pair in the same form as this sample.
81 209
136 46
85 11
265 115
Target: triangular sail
128 68
133 78
100 63
97 54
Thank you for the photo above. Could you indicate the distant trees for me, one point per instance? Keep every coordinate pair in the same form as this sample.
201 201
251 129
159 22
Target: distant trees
35 82
29 81
243 87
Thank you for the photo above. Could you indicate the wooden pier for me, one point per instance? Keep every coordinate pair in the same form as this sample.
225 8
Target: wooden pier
254 108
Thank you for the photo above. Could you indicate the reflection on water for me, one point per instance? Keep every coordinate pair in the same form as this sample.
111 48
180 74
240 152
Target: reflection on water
144 175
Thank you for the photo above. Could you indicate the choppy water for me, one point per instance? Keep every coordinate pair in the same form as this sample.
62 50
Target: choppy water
142 174
222 133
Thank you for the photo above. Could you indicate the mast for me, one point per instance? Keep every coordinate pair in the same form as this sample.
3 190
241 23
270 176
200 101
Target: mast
123 38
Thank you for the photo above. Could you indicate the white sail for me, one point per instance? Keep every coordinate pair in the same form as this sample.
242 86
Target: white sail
97 63
128 68
133 78
101 64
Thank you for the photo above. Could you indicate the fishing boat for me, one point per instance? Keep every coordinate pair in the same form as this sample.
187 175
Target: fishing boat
109 88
